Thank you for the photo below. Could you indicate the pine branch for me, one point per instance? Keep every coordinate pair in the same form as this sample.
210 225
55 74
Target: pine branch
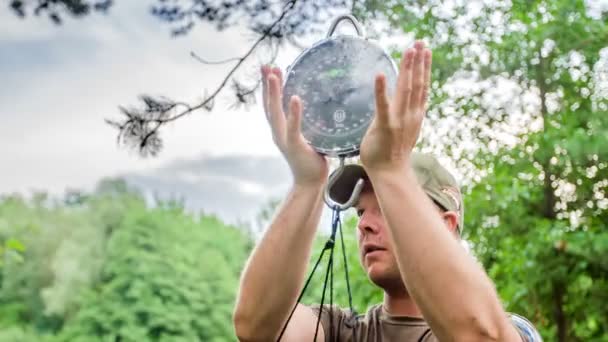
139 128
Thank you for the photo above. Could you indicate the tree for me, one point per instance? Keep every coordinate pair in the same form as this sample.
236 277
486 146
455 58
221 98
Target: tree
108 266
168 277
56 9
64 254
553 270
532 109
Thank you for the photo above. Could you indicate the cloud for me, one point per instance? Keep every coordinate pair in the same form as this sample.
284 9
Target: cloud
265 171
232 187
59 83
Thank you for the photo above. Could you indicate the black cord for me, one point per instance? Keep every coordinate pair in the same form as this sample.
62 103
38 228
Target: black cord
323 295
331 297
426 333
331 278
330 272
329 275
350 297
304 289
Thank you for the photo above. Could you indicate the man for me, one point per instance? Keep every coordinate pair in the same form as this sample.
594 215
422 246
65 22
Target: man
433 290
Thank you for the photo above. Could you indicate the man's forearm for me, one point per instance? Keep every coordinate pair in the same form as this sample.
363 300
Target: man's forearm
275 272
453 292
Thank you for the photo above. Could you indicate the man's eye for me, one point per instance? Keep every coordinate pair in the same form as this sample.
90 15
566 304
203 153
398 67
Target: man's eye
360 212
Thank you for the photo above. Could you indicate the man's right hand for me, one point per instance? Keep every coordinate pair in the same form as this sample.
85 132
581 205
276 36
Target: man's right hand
309 168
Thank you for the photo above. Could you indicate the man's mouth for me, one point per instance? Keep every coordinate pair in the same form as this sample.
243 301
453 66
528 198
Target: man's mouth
367 249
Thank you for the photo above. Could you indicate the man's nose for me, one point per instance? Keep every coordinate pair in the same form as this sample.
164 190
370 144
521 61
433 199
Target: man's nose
366 224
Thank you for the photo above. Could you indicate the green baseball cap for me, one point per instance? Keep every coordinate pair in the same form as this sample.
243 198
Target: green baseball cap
437 182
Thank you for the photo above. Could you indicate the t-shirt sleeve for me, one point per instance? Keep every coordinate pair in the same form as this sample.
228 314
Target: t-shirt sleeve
526 330
336 322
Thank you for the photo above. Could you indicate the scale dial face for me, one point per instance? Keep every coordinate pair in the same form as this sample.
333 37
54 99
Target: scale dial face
335 80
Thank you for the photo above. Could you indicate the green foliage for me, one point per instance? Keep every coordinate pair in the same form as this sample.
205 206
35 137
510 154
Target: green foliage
108 267
542 264
520 105
11 248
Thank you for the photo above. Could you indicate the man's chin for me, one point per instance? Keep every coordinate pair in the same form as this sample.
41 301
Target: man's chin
377 274
382 277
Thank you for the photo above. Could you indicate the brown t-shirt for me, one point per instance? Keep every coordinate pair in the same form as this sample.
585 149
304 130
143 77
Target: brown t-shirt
374 326
377 325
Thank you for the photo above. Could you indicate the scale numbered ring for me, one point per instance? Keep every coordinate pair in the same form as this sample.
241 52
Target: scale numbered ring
335 81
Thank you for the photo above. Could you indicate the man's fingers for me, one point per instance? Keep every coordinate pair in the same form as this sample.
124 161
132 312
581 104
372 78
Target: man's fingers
382 106
428 58
404 83
277 118
265 70
277 71
417 77
274 95
294 118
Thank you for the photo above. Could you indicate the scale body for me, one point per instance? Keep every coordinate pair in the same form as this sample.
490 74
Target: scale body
334 78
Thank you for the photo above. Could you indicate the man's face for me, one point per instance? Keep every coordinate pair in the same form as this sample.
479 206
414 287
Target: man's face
375 250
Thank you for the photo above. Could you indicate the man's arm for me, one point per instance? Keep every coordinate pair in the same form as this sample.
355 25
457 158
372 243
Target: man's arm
275 271
453 292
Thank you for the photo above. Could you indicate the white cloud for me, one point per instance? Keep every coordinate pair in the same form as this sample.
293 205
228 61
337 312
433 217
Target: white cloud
59 83
232 187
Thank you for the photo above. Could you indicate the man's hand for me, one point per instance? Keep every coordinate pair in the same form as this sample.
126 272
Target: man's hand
396 126
308 167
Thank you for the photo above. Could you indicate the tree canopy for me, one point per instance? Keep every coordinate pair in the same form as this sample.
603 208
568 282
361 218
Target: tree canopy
111 268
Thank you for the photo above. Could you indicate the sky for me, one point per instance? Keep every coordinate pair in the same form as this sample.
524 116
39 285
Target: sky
59 83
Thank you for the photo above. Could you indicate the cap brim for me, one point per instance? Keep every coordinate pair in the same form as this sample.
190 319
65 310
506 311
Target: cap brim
344 185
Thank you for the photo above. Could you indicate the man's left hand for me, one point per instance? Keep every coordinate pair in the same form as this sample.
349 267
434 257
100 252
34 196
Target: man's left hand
396 125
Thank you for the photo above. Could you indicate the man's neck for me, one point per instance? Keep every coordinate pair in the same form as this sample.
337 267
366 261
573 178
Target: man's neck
400 303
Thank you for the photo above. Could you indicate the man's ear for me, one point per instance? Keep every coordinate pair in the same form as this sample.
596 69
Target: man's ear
451 219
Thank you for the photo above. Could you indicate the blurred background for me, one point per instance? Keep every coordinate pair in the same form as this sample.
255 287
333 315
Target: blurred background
137 170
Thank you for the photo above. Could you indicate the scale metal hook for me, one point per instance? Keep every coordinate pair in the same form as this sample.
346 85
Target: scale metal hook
354 196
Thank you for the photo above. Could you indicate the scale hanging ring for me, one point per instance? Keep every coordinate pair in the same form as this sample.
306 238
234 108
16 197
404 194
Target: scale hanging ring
353 21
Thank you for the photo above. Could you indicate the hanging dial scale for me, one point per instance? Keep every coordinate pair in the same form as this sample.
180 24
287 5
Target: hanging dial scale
335 80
